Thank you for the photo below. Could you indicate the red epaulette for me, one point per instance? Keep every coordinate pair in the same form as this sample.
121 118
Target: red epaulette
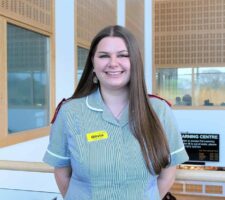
155 96
57 109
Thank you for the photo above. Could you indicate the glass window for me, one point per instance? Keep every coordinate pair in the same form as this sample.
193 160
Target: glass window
175 84
28 56
210 86
202 86
82 56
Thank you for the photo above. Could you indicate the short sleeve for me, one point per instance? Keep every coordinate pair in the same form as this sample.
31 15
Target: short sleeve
177 150
57 153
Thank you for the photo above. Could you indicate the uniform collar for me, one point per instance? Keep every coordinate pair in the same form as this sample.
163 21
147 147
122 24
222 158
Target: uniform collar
95 103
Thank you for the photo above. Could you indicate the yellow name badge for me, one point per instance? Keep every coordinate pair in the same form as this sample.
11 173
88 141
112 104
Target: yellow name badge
97 135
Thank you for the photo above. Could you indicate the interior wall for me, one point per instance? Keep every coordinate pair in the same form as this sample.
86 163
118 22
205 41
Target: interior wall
92 16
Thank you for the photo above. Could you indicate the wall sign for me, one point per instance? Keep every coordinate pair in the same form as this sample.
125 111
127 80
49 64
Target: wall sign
202 147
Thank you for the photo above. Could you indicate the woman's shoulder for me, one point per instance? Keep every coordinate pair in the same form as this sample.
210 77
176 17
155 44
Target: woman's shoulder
156 100
69 105
73 103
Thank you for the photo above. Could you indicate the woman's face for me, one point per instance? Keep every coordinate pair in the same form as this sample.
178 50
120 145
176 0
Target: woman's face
112 63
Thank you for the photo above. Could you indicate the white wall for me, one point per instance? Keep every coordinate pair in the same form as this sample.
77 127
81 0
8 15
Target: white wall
148 52
121 12
65 63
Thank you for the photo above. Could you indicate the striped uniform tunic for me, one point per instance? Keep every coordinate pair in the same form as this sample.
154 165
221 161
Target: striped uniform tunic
106 159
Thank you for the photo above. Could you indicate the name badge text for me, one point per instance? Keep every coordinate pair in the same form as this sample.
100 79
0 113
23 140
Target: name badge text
97 135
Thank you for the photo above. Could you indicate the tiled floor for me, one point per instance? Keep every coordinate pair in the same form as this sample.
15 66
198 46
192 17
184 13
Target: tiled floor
8 194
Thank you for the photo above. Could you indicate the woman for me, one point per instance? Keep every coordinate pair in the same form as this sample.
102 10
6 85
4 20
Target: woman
110 140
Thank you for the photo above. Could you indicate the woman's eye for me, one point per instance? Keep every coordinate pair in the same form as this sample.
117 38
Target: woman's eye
103 56
123 56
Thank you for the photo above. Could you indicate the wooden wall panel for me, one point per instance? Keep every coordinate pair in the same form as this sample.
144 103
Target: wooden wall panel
3 79
135 20
93 15
198 188
189 33
37 13
196 197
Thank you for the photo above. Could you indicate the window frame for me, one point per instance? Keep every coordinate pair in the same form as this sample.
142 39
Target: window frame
7 139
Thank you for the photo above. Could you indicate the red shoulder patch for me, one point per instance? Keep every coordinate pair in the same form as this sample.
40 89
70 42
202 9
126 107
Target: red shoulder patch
158 97
57 109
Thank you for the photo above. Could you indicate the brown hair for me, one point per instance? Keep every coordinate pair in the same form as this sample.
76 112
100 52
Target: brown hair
144 122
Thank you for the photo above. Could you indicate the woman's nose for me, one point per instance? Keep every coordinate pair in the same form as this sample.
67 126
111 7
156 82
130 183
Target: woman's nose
113 61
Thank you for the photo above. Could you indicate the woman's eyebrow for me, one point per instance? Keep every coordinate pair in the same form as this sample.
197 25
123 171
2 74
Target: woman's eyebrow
123 51
106 52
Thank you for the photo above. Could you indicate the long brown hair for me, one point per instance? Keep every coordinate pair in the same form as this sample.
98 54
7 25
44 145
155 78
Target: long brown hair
144 122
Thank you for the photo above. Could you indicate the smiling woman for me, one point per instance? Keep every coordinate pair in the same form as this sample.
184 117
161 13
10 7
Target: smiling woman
105 141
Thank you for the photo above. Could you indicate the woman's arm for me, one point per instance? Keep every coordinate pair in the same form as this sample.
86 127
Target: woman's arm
165 180
62 177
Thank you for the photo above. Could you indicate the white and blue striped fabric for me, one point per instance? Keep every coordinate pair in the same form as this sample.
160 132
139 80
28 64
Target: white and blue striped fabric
111 168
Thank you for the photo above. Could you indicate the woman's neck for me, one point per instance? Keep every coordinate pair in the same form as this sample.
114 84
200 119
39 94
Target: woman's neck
113 97
115 100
